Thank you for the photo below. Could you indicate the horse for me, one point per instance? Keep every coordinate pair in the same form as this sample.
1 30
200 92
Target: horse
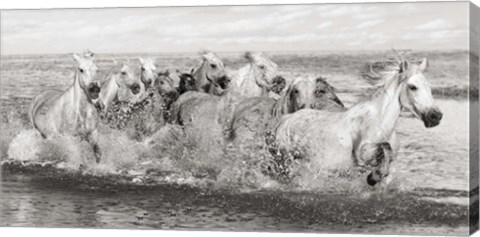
148 71
71 111
119 82
150 115
211 76
256 116
186 83
258 77
360 135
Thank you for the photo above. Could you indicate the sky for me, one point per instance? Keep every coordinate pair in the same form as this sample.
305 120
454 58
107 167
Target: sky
321 27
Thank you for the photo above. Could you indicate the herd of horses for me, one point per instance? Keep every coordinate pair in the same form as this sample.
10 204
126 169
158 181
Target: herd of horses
303 117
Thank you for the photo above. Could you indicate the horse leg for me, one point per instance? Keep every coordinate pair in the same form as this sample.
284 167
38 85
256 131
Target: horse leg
394 143
92 138
383 158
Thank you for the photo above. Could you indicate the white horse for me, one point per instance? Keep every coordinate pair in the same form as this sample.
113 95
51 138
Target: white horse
119 84
148 71
362 134
71 111
211 76
258 77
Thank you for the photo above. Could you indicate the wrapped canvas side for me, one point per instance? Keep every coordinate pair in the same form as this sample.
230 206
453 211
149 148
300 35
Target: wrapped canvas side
474 114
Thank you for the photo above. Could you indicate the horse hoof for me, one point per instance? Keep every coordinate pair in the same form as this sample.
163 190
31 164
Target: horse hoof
370 180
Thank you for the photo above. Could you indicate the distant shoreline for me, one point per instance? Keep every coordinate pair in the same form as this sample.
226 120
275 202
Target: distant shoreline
360 51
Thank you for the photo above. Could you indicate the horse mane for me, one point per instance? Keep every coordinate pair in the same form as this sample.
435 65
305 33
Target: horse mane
323 80
114 70
376 73
208 55
282 105
252 56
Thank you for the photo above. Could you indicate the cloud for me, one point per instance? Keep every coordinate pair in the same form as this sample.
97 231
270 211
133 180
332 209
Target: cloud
367 24
445 34
325 25
435 25
436 34
408 7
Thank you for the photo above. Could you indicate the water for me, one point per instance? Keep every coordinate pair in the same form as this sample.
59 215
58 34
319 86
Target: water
36 200
167 185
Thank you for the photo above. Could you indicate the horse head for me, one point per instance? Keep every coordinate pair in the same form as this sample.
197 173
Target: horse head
406 81
213 76
86 74
187 83
266 71
416 95
147 71
126 79
165 85
300 94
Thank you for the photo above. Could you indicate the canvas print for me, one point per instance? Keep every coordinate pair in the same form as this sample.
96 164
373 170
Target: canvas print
326 118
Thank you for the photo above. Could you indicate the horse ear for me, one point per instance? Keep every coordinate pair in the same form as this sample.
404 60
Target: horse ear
248 56
192 71
76 58
141 60
89 54
404 65
423 65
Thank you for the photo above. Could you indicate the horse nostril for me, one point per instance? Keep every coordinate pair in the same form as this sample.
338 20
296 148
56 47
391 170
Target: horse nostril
371 180
435 116
223 82
135 88
94 90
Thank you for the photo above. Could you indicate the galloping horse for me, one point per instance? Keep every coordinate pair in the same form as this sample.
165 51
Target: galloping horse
259 75
365 132
155 107
119 82
71 111
256 116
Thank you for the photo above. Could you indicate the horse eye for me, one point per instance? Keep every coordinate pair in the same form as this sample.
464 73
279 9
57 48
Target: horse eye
412 87
295 91
143 69
81 70
213 65
124 73
262 67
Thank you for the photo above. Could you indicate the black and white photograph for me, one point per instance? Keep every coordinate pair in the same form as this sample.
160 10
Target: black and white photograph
311 118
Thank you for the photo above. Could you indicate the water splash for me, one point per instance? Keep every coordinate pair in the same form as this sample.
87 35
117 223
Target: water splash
195 156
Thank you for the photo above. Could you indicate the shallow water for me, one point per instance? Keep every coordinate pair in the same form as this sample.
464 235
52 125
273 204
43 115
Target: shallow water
38 200
169 185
